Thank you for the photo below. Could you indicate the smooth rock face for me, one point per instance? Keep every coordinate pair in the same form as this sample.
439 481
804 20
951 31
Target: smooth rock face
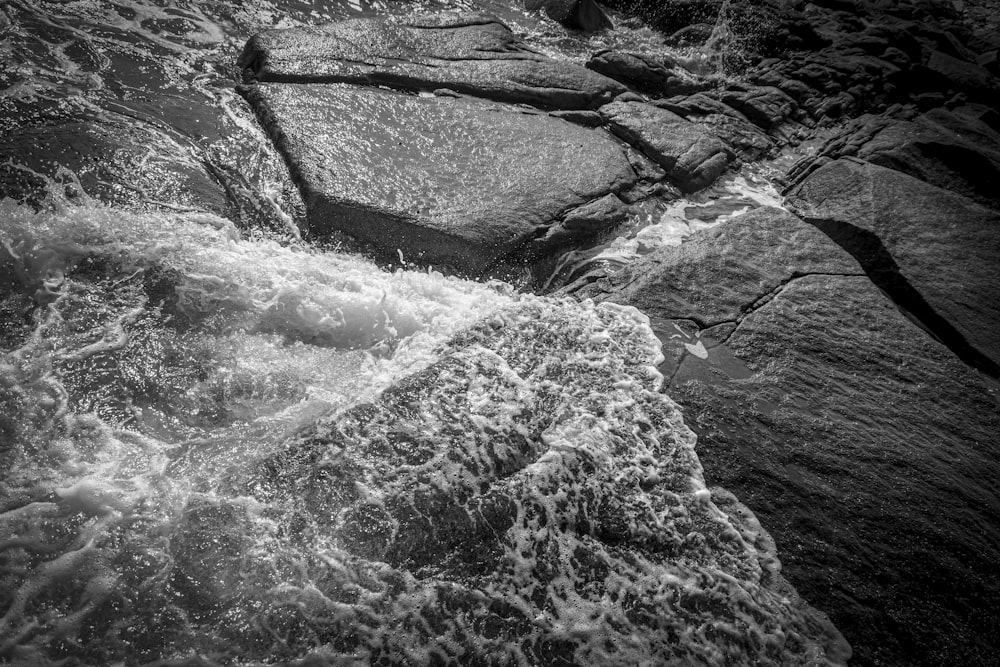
934 251
531 498
473 54
692 157
864 445
448 181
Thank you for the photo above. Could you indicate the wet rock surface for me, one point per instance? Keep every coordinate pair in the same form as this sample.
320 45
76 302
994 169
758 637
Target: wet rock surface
958 150
107 156
934 252
474 54
691 157
445 181
865 444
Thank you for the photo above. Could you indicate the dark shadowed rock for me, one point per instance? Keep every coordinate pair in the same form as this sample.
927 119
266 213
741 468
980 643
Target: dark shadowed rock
933 251
109 157
955 150
531 498
744 137
656 75
459 182
864 444
951 75
597 214
692 157
584 15
472 53
766 107
757 29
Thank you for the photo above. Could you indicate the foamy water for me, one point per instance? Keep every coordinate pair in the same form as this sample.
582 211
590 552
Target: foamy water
221 445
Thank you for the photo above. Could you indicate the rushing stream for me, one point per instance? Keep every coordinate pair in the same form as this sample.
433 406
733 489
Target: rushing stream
159 355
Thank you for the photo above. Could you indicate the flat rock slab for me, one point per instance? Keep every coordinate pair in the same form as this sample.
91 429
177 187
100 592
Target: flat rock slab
934 251
692 157
864 445
473 53
452 181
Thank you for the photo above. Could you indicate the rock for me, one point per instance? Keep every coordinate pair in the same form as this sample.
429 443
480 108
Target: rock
955 150
656 75
580 117
470 53
741 136
116 160
597 215
584 15
990 61
830 83
766 107
865 446
740 263
757 28
458 182
934 252
494 509
695 34
692 157
948 73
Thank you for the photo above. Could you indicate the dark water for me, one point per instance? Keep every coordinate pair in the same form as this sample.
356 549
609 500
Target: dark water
191 403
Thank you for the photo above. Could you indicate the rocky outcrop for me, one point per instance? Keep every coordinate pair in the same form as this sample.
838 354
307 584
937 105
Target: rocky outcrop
444 181
108 157
691 157
470 53
740 264
659 75
934 252
864 444
957 150
743 137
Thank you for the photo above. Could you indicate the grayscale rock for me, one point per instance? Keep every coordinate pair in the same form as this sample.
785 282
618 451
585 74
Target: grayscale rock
447 181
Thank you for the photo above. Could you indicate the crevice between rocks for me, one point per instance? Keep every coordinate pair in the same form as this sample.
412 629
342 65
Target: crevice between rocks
880 267
768 297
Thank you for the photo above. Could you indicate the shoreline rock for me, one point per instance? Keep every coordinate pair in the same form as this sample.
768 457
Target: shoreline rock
445 181
934 252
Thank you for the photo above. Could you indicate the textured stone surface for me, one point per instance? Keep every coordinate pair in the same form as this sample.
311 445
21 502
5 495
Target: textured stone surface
458 182
934 251
655 75
692 157
956 150
865 445
469 53
719 275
